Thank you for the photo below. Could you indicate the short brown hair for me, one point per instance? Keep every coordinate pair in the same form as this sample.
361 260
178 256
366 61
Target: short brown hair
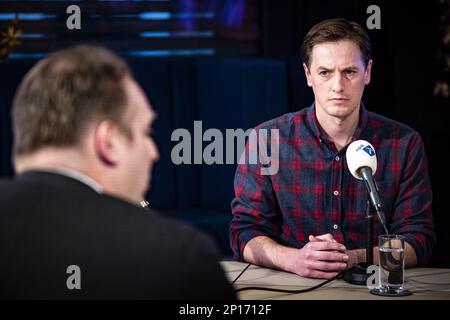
333 30
63 92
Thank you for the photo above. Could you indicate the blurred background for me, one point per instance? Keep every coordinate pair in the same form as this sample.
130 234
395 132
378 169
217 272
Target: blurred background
234 64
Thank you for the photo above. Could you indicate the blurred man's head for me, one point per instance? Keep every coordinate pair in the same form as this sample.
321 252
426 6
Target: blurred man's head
80 109
336 57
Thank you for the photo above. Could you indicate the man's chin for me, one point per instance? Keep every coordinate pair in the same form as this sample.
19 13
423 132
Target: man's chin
339 110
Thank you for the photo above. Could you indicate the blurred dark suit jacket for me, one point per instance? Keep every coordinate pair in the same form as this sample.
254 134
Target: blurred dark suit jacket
49 221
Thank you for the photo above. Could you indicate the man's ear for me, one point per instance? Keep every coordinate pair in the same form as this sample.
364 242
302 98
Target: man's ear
307 74
368 72
106 142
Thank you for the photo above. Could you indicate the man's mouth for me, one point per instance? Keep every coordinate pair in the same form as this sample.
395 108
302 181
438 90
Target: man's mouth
338 99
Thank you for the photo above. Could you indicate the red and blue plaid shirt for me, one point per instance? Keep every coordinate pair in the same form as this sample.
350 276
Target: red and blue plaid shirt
314 193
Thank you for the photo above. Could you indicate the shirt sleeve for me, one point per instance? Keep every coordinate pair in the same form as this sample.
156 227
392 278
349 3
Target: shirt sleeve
412 210
254 207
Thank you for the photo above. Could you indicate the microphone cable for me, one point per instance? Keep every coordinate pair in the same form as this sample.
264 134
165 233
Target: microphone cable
240 274
283 290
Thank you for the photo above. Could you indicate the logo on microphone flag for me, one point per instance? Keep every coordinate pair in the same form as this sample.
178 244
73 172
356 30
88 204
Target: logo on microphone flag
369 150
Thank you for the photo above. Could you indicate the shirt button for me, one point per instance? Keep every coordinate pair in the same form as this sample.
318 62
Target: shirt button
335 227
337 158
336 193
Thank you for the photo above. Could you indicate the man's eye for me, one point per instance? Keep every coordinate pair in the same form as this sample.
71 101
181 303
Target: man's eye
323 73
350 72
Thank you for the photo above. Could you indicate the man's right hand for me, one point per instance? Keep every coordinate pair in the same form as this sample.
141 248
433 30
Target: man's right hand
322 257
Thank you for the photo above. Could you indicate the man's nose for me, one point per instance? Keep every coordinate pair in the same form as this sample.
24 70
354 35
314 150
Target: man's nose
338 85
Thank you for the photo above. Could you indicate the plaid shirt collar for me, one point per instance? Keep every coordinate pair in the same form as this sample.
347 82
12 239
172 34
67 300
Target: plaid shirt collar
363 130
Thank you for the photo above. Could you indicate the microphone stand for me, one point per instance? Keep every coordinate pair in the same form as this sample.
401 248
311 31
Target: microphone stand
357 274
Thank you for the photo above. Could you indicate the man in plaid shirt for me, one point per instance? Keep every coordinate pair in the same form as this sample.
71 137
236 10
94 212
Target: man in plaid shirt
309 217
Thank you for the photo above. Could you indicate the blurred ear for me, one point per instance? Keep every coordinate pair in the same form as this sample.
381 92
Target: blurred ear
368 72
107 142
308 75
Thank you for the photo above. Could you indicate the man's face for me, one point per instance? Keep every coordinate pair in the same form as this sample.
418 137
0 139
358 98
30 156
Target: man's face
140 153
337 75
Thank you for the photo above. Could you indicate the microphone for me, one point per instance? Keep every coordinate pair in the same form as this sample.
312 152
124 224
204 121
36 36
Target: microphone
362 163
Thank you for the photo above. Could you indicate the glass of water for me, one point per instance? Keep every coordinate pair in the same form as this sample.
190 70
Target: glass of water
392 262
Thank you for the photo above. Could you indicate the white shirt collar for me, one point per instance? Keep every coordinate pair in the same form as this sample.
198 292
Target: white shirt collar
77 175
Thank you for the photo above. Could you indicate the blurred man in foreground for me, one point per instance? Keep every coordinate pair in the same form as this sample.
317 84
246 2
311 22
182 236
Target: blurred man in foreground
70 227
